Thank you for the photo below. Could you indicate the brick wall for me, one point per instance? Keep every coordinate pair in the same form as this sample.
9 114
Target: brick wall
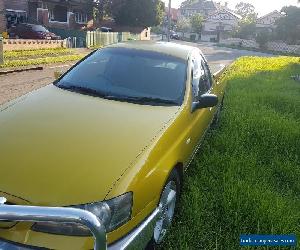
2 17
26 44
16 4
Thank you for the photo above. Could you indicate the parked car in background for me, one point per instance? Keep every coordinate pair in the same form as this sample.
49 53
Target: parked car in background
174 35
106 29
31 31
112 136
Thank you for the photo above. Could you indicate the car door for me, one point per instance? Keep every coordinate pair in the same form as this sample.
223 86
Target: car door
31 33
23 31
201 84
18 31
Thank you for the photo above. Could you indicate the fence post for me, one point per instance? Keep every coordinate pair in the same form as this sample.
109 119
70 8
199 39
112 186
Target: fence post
1 50
94 37
74 42
98 39
87 39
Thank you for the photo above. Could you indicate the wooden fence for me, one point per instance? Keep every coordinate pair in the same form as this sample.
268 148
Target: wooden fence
99 39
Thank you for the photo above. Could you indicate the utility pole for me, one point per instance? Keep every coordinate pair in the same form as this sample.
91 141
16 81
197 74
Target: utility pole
169 21
1 50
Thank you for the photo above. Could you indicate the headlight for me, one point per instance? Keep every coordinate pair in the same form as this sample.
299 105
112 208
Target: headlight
112 213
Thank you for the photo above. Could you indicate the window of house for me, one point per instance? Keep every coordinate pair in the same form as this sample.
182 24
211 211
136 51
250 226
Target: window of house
51 14
60 13
81 17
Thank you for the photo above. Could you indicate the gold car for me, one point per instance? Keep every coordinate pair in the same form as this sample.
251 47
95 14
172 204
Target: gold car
104 148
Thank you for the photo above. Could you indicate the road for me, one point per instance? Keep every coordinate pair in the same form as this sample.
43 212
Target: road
17 84
218 56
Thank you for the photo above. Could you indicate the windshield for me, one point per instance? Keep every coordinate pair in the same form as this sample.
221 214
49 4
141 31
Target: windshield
129 75
39 28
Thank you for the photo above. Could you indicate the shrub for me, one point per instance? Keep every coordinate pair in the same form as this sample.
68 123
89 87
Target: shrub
193 37
262 39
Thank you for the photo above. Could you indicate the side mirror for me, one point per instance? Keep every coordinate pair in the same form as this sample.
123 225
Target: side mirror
57 74
205 101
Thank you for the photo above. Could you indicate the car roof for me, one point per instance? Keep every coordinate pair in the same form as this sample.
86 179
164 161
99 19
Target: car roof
169 48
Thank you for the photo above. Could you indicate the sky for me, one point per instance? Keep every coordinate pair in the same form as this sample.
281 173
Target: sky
262 6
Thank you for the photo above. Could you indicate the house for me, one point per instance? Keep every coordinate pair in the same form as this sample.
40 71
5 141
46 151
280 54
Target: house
219 25
174 14
16 11
2 17
205 8
65 14
268 22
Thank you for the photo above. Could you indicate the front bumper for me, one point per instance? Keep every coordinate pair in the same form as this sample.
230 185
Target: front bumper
136 239
140 236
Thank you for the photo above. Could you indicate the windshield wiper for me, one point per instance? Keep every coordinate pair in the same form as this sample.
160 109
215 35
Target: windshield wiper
144 100
84 90
106 95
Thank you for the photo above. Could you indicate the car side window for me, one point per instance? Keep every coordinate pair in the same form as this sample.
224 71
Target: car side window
206 79
202 81
197 74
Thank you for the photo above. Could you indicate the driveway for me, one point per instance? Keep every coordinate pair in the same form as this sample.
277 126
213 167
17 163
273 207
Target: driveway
17 84
218 56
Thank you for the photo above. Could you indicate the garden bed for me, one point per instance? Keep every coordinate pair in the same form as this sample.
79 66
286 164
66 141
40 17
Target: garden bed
21 58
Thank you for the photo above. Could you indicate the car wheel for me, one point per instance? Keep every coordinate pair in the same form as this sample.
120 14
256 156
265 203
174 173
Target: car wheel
167 204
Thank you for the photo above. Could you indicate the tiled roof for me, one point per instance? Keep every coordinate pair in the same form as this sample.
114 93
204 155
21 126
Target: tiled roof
271 13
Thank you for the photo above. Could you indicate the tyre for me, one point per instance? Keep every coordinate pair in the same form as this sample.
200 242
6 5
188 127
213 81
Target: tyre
167 204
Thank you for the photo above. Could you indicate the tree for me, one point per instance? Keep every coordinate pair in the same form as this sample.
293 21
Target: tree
138 12
196 23
288 27
101 9
188 2
263 38
246 11
183 25
246 29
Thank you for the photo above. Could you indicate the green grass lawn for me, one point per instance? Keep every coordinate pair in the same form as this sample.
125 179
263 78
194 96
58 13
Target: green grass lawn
246 177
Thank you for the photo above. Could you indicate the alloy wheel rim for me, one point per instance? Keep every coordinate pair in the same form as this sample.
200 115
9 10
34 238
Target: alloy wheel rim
167 207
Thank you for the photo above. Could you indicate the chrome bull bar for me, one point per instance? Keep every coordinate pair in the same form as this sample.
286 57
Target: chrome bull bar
56 214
